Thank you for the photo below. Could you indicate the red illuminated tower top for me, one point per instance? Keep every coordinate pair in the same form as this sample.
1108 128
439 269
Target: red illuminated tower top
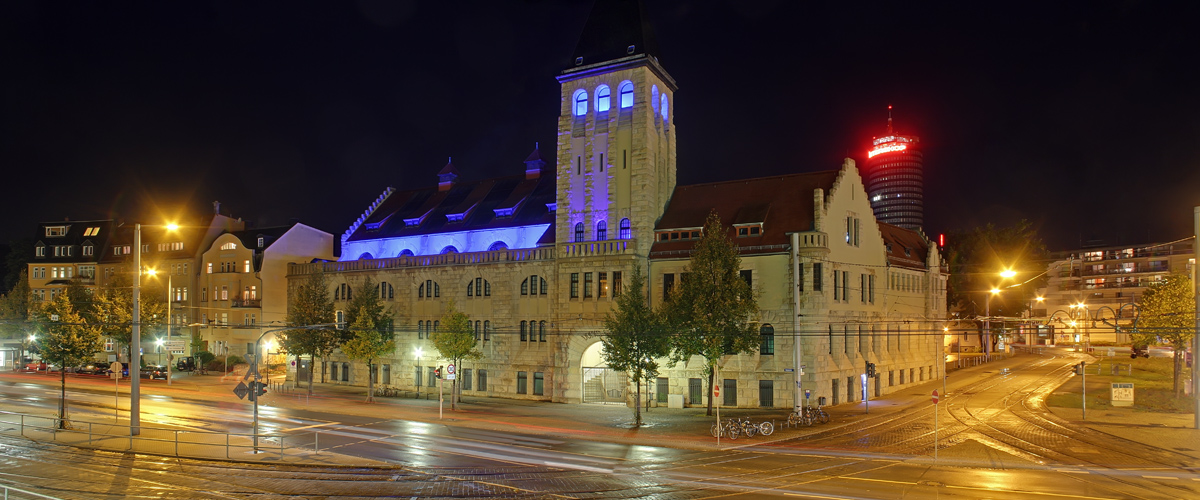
895 179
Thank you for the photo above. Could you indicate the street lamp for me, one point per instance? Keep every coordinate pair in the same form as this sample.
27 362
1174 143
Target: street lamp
419 353
152 273
135 356
987 324
159 343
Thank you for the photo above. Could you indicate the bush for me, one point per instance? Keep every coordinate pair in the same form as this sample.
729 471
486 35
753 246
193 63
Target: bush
204 358
235 360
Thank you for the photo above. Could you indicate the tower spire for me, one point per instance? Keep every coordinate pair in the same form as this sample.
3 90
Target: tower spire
889 129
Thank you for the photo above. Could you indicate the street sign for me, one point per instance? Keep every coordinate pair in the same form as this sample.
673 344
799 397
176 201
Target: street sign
1112 352
241 390
174 345
716 391
115 369
1122 394
450 372
935 397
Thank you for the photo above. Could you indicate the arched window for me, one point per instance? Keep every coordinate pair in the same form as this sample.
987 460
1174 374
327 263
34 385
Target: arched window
543 281
470 288
626 231
499 245
654 98
342 292
663 107
477 329
601 231
524 335
525 287
449 249
581 102
365 255
421 329
487 289
542 331
487 330
603 98
533 330
578 231
429 289
626 91
766 345
386 291
421 291
405 253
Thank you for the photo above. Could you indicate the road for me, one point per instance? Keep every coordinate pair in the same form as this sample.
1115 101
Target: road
995 441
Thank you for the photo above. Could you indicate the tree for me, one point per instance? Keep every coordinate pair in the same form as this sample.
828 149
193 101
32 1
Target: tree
66 340
635 337
15 308
711 308
455 341
367 345
1168 312
309 304
112 310
366 299
978 256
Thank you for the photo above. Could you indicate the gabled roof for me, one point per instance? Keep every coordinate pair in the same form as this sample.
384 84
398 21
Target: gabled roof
783 204
426 210
905 247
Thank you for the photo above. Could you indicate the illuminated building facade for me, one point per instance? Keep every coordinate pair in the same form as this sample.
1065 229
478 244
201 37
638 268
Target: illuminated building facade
536 259
895 176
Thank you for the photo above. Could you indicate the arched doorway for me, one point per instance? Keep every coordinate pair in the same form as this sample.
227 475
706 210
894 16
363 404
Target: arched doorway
601 384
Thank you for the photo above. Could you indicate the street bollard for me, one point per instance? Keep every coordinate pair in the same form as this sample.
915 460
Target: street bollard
177 443
316 442
226 445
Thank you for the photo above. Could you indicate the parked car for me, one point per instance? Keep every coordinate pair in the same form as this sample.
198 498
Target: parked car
93 369
186 364
1136 351
154 371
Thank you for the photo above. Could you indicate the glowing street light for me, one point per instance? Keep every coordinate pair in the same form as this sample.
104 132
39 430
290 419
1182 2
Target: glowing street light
1007 273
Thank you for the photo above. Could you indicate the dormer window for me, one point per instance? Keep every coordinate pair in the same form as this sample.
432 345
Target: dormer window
91 231
748 230
39 250
679 235
229 246
56 231
261 241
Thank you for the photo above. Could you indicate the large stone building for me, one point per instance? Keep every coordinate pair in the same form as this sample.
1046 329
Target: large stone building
536 258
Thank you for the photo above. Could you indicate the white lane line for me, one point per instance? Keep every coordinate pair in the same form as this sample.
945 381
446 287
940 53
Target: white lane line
1069 471
1159 477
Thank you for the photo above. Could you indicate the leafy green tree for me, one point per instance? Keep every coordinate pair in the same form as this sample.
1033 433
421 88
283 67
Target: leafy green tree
366 299
712 307
977 257
309 304
65 340
367 345
455 341
1168 312
635 337
112 310
15 309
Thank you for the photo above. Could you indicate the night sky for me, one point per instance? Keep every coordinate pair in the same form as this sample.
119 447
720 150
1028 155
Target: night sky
1083 117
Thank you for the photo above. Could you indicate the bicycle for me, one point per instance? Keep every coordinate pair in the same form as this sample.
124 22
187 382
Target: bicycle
747 428
726 429
766 428
800 415
818 414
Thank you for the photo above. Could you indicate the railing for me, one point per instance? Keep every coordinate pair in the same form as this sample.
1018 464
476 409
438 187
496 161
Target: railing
247 302
151 440
6 489
590 248
449 259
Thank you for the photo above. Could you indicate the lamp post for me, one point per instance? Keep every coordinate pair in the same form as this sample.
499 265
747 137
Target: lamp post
154 272
987 324
419 352
135 354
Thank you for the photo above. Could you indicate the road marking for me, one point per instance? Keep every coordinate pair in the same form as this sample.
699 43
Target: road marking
1026 492
1161 477
562 465
812 495
310 426
1069 471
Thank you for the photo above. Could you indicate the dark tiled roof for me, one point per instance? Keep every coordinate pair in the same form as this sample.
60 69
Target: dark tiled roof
76 239
783 204
476 201
611 28
898 240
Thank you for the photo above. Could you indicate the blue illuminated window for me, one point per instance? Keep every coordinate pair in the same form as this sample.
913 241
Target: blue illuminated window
626 231
654 97
405 252
579 231
499 245
603 96
365 255
449 249
581 102
663 107
601 231
626 91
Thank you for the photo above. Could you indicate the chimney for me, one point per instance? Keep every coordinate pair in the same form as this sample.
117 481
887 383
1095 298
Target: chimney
447 176
534 164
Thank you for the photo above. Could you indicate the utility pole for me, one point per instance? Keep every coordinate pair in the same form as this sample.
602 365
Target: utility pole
1196 336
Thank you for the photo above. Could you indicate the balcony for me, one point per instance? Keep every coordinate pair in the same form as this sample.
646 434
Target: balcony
247 302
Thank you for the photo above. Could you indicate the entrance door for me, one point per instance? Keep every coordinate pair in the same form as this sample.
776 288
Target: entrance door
603 385
302 369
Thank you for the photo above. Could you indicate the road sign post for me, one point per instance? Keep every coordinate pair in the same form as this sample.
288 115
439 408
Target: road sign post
935 424
440 399
716 394
114 371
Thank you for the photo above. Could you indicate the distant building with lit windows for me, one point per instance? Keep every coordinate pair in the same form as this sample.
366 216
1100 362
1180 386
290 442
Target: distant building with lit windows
895 178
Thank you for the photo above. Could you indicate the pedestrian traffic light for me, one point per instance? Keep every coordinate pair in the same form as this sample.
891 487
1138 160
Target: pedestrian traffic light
1079 368
437 372
256 389
870 370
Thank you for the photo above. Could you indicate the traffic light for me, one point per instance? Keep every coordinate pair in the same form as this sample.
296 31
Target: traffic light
262 388
256 389
870 370
1079 368
437 372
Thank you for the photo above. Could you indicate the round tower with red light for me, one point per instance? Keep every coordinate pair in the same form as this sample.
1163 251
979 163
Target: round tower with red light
895 179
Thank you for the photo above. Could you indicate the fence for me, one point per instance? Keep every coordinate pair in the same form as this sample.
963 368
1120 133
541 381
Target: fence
154 440
15 493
